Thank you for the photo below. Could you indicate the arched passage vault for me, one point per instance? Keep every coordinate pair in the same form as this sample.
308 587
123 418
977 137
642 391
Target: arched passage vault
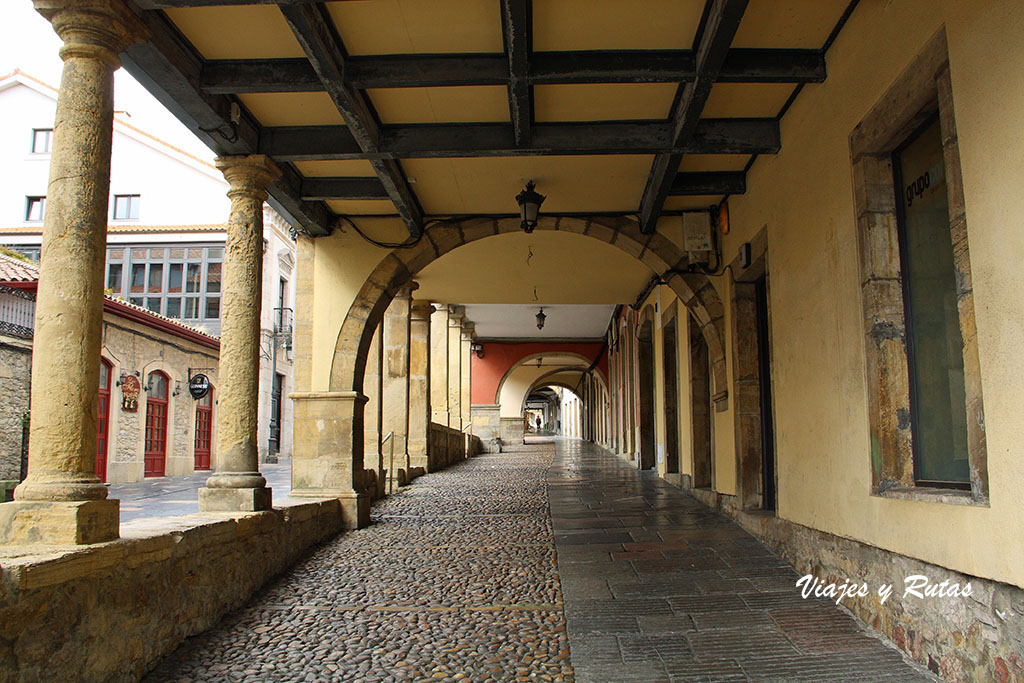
330 461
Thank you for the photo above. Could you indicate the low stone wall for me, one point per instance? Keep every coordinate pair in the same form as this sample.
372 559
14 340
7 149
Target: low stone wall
487 426
975 638
512 430
445 447
111 611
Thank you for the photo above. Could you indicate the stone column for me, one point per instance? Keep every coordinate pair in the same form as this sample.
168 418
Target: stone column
61 500
395 371
439 365
419 384
456 314
465 395
237 485
373 389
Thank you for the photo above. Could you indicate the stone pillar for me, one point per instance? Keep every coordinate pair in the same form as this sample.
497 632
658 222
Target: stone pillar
466 414
456 314
395 371
439 365
419 383
373 389
62 501
237 484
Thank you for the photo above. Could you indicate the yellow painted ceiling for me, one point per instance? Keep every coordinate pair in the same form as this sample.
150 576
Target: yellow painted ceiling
366 207
490 184
293 108
713 162
402 26
791 24
452 104
566 268
343 167
747 100
694 202
237 32
615 24
603 101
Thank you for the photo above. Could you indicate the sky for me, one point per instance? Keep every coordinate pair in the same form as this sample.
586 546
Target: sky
28 43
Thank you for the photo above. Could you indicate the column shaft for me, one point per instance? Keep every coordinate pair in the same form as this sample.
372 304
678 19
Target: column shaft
455 317
465 396
396 383
419 384
439 365
373 389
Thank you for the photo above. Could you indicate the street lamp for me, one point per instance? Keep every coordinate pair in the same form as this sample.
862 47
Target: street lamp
540 318
529 206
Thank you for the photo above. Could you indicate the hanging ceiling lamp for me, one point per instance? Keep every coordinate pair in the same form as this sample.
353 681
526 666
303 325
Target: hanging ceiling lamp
540 319
529 207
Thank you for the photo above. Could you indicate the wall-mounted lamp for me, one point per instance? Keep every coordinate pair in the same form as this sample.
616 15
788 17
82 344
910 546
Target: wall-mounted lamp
478 349
529 206
124 375
177 388
540 319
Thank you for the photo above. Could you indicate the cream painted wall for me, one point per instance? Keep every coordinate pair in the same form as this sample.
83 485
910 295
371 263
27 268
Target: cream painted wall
518 383
805 197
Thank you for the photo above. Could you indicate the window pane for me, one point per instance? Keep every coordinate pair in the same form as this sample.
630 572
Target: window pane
158 385
137 301
212 307
126 206
114 277
153 304
138 253
156 277
104 375
215 253
173 307
935 348
138 277
41 140
195 277
115 254
35 209
195 253
177 253
191 308
174 278
213 277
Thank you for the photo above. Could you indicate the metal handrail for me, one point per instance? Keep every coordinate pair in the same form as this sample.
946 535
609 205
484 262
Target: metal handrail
391 471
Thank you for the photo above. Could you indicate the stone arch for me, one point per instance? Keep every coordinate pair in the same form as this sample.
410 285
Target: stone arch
545 381
525 360
400 266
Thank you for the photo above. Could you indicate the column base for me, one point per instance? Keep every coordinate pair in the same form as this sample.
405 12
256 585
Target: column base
59 522
235 500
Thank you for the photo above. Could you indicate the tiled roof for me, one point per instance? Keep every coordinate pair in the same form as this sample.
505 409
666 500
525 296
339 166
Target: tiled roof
16 270
122 227
164 318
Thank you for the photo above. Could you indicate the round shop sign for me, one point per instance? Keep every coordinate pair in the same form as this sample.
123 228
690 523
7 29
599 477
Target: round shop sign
199 386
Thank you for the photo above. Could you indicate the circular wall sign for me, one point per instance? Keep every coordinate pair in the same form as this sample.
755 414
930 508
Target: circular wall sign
199 386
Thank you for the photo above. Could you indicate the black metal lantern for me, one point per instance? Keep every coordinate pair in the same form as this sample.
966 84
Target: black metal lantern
540 317
529 207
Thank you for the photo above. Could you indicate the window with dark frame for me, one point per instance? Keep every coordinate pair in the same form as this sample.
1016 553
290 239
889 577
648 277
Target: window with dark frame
179 281
35 209
126 207
42 140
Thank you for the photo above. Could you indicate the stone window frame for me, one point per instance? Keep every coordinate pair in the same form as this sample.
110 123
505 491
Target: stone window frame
921 92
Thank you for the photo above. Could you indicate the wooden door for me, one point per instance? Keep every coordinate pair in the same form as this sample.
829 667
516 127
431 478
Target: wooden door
204 423
156 425
103 420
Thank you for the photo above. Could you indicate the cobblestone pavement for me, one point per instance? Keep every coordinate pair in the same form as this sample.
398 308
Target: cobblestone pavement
657 587
455 580
169 496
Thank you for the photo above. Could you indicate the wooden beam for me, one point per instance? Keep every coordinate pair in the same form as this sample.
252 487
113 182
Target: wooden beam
427 71
316 33
712 136
718 28
710 182
326 189
169 69
517 26
172 4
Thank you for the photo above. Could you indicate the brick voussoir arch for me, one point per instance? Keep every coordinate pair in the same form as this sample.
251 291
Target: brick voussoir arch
401 265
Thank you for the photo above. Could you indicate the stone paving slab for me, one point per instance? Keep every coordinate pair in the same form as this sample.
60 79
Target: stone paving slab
657 587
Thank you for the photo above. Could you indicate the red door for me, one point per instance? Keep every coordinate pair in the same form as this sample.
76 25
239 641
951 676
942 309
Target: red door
102 423
156 425
204 413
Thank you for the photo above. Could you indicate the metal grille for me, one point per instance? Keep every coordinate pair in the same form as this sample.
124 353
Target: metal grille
17 312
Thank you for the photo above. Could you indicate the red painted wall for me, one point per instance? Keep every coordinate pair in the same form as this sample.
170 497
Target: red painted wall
499 357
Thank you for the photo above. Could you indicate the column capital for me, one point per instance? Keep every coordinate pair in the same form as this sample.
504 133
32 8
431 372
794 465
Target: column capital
456 314
248 174
421 310
100 29
405 292
468 330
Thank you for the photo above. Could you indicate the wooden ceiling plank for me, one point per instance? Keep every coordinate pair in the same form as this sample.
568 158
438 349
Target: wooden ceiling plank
329 189
169 69
712 136
721 21
707 183
315 31
516 28
175 4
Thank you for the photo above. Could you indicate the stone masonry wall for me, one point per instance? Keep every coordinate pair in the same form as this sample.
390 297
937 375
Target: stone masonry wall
487 426
111 611
15 382
975 638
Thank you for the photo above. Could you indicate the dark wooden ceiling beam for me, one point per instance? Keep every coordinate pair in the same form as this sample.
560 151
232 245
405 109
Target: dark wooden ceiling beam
708 182
169 69
720 23
516 23
316 33
546 68
712 136
173 4
327 189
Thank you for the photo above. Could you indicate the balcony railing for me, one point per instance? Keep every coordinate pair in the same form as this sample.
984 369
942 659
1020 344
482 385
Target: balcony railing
283 323
17 312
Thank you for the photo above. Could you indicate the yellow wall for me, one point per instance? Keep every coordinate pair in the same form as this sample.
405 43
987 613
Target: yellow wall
805 197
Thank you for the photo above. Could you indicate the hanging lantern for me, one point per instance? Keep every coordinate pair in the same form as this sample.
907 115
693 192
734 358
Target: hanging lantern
540 318
529 206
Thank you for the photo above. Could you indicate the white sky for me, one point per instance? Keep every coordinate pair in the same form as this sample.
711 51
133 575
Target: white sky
27 42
